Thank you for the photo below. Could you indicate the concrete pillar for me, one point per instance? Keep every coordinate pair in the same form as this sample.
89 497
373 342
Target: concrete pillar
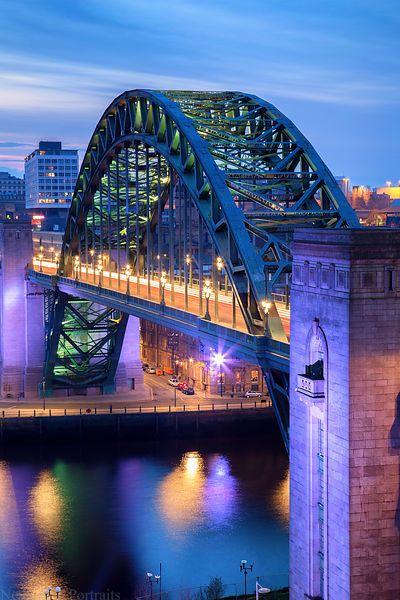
129 368
21 314
345 421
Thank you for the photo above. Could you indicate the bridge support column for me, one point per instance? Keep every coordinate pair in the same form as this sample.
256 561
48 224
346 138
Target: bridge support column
345 415
129 371
21 315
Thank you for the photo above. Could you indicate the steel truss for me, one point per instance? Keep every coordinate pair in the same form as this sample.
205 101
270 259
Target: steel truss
83 342
201 174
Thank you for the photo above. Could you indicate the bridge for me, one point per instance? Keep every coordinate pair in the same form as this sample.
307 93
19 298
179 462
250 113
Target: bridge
183 214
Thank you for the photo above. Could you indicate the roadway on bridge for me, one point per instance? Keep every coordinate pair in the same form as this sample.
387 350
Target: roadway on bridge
176 297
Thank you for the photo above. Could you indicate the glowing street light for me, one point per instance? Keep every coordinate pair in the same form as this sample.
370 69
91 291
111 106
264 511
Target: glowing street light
91 252
128 273
99 269
150 578
245 568
40 257
266 306
219 263
76 266
219 360
207 294
47 592
163 281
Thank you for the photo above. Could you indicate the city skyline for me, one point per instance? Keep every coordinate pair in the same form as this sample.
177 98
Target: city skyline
331 68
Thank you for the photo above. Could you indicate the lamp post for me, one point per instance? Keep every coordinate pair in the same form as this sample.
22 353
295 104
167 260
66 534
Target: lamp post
150 578
219 264
52 253
219 361
40 257
99 270
266 306
128 272
47 591
245 568
76 267
188 262
91 252
207 294
57 259
163 281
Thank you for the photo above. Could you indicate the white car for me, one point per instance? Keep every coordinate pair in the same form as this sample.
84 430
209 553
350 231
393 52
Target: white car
173 381
252 394
151 371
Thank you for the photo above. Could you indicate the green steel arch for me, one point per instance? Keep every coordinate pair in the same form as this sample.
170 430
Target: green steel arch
251 173
238 164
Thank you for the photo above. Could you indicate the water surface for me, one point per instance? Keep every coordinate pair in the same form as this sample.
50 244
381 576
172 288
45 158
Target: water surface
97 518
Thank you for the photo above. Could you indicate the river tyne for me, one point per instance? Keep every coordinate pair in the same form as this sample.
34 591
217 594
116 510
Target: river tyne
94 519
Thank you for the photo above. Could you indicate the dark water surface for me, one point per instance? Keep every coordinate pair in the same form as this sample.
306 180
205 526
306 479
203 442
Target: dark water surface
97 518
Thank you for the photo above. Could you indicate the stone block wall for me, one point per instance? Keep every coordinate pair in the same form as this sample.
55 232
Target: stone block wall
350 281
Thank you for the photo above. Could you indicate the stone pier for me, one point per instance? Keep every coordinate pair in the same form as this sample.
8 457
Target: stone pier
21 315
345 415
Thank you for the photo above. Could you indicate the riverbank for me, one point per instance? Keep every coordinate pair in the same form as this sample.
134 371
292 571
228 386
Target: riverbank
121 426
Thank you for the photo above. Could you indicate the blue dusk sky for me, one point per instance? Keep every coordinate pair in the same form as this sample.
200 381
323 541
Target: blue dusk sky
333 66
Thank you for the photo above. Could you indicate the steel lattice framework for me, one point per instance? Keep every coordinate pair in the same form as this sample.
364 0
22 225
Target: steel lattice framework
205 174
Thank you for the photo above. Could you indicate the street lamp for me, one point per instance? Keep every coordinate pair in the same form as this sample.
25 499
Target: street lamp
163 281
219 360
266 306
150 578
76 266
245 568
207 294
220 264
188 262
91 252
128 272
52 253
40 257
57 259
47 591
99 269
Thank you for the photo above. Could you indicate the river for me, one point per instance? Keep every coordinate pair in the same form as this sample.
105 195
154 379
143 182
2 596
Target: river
95 519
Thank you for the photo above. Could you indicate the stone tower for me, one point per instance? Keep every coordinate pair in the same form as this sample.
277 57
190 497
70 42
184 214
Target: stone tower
345 415
21 315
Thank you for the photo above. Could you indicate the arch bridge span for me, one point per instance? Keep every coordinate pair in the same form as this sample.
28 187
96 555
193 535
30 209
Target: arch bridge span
184 208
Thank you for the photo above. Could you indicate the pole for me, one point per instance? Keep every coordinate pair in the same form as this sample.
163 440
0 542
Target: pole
220 379
245 584
160 581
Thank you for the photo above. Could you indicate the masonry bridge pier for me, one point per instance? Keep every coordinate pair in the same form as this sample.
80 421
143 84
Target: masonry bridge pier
211 214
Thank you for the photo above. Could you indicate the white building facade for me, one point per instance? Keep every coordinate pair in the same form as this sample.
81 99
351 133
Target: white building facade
50 176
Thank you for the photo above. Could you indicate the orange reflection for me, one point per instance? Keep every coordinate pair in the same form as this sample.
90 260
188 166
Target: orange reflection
46 506
9 520
38 577
280 499
181 493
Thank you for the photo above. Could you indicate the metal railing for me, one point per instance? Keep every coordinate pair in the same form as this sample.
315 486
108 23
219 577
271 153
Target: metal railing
135 410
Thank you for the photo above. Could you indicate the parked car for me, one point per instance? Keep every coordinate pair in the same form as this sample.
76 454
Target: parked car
252 394
182 385
173 381
151 371
189 391
145 366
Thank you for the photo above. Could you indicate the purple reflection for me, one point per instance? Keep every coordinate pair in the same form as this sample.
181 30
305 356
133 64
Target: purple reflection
220 493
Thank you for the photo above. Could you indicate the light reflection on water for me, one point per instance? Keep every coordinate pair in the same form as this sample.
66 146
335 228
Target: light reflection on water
100 523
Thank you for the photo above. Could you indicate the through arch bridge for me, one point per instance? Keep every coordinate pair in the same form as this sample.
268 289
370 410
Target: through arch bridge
183 214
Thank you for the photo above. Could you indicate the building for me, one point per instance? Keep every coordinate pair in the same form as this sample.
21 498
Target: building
50 176
393 191
12 195
344 184
192 361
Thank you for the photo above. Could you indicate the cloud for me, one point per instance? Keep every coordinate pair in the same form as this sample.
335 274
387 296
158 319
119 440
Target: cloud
13 144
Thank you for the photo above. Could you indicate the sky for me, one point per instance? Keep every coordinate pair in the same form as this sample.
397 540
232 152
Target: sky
332 66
